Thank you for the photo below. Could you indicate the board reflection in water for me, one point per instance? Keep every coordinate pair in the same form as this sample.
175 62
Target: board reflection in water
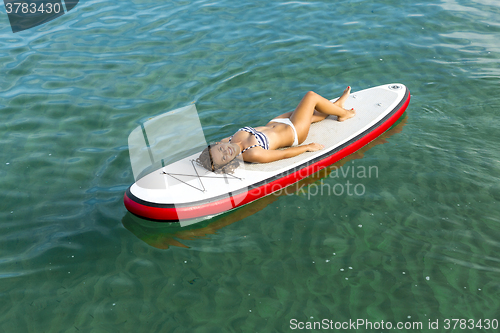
165 235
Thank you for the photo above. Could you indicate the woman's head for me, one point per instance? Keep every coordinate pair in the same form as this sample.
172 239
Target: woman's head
219 157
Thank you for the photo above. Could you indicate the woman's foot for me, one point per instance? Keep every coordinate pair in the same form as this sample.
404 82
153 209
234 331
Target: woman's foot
348 114
340 102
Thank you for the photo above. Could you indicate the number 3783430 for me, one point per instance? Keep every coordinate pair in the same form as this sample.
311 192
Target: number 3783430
32 8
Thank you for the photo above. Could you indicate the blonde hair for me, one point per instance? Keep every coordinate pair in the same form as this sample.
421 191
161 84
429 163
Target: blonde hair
205 160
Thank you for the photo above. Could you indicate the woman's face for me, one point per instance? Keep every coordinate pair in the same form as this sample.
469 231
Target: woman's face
223 153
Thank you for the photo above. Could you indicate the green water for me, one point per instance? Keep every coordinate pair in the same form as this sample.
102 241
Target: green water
420 243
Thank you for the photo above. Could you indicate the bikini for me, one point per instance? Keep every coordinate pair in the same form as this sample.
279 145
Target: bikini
262 139
288 122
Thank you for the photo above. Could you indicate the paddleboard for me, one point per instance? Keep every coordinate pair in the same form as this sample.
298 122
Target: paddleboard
186 192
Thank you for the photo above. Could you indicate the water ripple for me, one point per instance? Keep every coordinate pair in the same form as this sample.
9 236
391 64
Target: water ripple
425 232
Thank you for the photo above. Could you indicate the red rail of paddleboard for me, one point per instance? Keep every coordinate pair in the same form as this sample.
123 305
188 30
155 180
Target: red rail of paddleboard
171 213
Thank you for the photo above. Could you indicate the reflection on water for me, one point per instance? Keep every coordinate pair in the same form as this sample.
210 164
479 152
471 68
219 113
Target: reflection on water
163 235
422 242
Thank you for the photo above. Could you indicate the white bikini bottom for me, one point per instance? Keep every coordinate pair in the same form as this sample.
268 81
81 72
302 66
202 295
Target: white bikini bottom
289 123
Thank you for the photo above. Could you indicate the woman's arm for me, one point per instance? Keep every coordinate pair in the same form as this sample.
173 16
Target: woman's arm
266 156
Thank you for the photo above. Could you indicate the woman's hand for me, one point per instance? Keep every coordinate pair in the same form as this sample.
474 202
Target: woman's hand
314 147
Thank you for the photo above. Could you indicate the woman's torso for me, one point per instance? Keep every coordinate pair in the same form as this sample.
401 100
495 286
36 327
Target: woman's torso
279 135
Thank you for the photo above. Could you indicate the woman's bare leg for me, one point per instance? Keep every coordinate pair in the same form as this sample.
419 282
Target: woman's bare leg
317 116
313 108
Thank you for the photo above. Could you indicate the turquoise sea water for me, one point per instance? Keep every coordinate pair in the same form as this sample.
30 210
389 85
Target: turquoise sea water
418 242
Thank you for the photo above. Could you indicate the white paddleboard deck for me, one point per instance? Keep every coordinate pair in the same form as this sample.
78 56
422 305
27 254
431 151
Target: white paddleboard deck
184 190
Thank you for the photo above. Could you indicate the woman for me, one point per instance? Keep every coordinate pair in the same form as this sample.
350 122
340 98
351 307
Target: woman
290 129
